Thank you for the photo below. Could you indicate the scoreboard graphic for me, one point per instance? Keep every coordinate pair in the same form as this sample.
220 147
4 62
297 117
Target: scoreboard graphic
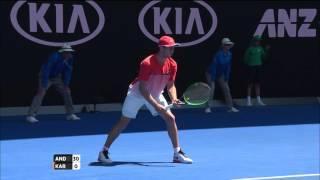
66 161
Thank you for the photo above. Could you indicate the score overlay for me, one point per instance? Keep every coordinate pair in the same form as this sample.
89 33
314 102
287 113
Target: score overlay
66 161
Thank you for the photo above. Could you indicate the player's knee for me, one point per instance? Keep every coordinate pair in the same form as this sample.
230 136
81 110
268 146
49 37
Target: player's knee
172 118
122 124
125 119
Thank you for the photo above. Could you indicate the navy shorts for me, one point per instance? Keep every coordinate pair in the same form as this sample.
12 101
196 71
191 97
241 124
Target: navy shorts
254 74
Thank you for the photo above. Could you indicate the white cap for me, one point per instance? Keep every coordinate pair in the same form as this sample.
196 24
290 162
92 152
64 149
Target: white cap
66 48
227 41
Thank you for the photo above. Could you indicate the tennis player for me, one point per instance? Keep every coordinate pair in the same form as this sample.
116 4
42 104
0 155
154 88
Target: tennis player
219 70
157 72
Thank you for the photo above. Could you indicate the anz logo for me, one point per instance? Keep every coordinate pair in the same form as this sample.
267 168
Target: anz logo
54 23
192 22
292 23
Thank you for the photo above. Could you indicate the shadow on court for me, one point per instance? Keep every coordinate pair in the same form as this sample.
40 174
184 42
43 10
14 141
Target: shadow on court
146 164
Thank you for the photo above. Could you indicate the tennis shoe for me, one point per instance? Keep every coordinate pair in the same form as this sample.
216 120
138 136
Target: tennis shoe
104 157
261 103
73 117
32 119
180 157
207 110
233 109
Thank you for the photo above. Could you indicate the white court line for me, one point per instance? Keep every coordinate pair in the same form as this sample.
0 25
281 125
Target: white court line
279 177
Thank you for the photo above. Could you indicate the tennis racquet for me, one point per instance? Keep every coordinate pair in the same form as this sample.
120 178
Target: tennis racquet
196 94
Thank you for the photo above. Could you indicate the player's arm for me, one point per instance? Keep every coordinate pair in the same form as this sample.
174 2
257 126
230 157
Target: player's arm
171 88
172 92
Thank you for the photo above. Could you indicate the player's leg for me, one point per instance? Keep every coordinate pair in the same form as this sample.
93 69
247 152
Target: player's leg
179 156
112 135
130 108
66 94
116 130
170 121
36 103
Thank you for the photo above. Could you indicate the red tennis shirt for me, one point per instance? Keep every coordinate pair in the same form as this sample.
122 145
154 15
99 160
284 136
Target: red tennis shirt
155 75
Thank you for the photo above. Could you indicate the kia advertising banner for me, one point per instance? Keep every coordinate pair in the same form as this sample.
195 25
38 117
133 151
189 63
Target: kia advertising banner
112 37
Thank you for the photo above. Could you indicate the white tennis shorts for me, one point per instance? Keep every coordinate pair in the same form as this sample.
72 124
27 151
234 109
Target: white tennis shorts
133 103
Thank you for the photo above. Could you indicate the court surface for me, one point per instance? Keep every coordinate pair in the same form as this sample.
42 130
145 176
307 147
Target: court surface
270 143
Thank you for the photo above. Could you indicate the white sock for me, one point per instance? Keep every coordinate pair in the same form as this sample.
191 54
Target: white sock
105 148
177 149
249 98
259 98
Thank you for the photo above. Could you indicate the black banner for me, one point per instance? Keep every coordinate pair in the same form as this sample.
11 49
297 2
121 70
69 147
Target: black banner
112 37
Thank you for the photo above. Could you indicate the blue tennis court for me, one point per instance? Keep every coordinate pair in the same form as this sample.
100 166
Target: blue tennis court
257 143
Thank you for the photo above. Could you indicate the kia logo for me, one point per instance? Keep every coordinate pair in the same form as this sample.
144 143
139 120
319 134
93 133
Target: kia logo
68 25
180 21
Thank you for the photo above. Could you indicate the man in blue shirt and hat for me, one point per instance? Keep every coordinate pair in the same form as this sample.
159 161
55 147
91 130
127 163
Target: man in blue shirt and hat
219 70
56 71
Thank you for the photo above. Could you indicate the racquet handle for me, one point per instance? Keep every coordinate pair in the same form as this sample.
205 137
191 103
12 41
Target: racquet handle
171 105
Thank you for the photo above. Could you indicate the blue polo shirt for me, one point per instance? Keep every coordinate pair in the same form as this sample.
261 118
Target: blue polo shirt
55 67
220 65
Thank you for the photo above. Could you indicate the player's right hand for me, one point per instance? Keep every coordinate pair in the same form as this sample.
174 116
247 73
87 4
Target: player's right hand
160 108
163 112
